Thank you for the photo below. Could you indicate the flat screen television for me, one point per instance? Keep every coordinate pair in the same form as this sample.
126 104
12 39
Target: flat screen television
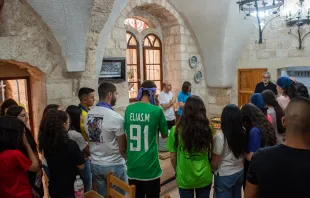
113 69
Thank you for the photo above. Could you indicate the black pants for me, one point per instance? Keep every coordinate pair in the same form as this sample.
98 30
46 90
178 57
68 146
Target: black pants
146 189
170 124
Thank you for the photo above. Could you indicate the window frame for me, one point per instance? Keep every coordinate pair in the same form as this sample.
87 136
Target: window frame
161 57
137 47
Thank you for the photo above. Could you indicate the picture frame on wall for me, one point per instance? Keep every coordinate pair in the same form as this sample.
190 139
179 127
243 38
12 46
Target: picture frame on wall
113 69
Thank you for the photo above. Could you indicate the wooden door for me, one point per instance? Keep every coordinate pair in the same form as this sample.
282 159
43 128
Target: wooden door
248 78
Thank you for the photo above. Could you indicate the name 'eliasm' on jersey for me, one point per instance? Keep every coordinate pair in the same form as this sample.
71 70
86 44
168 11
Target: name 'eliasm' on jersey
140 117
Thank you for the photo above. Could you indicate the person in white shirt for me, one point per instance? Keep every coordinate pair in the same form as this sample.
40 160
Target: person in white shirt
108 142
166 101
227 157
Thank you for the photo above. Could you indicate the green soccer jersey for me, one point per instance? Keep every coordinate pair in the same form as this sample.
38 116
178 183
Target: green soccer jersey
192 171
142 122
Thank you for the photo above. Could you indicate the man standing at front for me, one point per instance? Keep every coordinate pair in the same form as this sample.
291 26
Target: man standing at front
142 121
266 84
107 137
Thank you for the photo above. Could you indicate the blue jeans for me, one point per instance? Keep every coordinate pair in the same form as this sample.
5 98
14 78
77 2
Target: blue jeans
86 176
228 186
100 176
200 192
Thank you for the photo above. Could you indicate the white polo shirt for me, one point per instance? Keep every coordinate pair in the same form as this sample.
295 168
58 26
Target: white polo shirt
103 125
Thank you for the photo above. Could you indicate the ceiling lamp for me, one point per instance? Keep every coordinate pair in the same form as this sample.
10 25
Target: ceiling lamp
300 17
264 11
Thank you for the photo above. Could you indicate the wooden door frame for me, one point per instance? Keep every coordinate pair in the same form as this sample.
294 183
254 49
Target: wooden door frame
30 113
239 80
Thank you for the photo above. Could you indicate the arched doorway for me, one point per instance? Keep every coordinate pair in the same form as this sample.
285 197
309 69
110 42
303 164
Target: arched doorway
26 85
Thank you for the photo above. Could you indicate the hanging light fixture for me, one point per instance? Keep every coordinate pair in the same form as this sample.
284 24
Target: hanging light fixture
264 11
299 18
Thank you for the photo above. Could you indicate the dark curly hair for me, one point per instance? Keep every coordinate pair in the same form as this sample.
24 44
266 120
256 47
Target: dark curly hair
234 133
11 131
270 99
301 90
253 116
193 128
7 104
53 135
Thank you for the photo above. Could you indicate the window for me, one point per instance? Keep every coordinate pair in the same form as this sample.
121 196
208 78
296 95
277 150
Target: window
152 56
151 61
138 24
133 67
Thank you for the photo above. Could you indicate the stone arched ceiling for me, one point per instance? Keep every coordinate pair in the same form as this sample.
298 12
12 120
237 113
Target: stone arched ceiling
69 20
221 32
219 28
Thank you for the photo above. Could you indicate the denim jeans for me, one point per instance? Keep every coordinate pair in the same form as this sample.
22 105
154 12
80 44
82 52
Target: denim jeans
200 192
86 176
228 186
100 176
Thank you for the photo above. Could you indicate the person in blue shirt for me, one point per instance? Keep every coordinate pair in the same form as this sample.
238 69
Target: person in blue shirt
259 132
183 95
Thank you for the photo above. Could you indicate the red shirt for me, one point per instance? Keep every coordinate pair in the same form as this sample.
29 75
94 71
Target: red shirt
14 180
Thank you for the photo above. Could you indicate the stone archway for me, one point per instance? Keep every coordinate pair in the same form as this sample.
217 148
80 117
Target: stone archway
14 69
178 41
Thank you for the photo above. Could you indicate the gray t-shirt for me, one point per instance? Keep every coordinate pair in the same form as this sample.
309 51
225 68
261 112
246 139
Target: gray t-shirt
229 163
78 138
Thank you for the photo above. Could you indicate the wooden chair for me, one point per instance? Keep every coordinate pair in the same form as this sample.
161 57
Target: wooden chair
111 193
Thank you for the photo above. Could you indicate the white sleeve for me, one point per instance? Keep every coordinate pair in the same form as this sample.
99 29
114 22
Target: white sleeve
161 99
119 124
218 144
78 138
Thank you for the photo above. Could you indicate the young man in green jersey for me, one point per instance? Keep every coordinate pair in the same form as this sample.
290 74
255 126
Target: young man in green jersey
142 122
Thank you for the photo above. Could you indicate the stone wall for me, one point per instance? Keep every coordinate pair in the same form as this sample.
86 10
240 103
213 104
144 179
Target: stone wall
278 51
179 45
26 41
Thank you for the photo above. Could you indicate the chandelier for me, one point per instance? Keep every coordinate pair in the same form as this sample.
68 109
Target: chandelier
299 18
264 11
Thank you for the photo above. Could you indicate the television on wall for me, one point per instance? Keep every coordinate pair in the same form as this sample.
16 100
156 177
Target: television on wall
113 69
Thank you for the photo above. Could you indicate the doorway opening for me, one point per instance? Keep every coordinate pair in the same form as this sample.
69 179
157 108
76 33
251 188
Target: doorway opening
19 90
26 85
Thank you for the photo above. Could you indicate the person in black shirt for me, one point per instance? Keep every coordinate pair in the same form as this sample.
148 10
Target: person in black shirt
63 156
266 84
283 171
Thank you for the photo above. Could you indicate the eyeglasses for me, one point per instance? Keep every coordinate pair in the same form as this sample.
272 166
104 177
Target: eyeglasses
266 77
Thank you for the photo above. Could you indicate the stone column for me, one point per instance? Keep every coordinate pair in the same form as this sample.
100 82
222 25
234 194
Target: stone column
218 99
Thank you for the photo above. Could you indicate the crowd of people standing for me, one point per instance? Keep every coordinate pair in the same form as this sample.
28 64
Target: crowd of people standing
254 149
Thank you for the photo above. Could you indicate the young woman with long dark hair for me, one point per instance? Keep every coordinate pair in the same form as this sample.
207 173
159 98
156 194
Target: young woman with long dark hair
34 177
275 112
190 143
259 132
75 134
14 165
227 158
285 87
62 154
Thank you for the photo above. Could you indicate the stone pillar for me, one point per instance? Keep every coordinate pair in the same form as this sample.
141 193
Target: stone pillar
217 100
